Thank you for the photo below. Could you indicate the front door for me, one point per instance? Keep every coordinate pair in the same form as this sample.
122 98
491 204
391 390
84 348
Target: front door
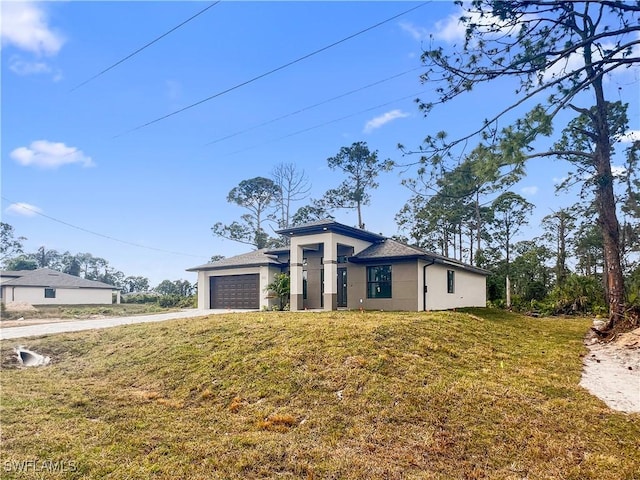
342 287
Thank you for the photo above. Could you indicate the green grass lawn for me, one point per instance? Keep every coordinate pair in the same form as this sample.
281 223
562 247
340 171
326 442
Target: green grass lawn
332 395
86 311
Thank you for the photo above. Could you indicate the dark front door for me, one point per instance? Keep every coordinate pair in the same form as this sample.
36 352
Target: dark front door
342 287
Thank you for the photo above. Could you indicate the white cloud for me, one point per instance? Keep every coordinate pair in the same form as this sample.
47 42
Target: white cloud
418 33
45 154
24 67
630 136
451 29
25 26
529 190
23 209
618 171
381 120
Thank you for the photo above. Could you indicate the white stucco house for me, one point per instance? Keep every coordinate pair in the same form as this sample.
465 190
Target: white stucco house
333 266
49 287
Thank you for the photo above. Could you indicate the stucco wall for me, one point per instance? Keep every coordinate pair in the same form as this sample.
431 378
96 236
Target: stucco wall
64 296
404 277
470 289
267 275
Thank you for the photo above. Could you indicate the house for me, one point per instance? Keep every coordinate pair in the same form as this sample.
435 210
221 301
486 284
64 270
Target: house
49 287
367 271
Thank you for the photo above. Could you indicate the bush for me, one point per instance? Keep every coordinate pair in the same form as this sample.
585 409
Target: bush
578 295
167 301
139 298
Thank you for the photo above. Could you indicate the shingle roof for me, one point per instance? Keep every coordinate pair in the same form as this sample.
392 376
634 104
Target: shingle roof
390 249
45 277
382 248
251 259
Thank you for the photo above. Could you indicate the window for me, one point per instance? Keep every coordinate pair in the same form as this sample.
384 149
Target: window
304 284
451 281
379 282
49 293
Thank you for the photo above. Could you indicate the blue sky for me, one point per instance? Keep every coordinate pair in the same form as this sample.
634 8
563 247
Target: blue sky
75 162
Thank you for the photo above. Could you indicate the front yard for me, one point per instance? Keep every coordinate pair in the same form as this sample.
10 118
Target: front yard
343 395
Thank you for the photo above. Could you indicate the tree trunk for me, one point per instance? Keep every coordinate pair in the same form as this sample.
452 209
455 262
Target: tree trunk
606 205
478 220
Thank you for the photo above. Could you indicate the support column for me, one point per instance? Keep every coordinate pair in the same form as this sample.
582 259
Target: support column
330 274
204 291
296 301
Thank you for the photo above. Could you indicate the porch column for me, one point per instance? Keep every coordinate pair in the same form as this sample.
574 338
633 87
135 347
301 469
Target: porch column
331 274
296 301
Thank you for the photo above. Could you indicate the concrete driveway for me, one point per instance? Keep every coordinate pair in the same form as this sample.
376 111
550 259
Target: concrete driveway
77 325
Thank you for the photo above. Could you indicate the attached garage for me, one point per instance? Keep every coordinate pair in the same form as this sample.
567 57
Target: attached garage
235 291
240 282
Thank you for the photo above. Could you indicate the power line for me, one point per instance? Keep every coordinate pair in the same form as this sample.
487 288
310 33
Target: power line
326 123
102 234
268 122
145 46
277 69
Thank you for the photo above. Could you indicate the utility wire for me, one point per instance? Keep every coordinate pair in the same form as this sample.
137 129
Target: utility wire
277 69
326 123
101 234
310 107
145 46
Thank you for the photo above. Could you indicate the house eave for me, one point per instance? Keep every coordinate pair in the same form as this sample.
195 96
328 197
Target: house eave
207 268
425 257
334 227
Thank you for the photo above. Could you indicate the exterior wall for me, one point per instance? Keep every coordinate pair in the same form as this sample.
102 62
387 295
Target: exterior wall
470 288
404 277
64 296
329 243
266 277
314 269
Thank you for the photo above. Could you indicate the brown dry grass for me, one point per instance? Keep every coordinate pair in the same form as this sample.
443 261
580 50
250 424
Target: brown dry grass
337 395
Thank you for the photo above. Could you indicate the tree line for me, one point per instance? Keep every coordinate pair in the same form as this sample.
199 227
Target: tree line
83 265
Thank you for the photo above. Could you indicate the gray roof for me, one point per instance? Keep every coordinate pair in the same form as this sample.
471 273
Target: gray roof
390 249
45 277
381 249
252 259
320 226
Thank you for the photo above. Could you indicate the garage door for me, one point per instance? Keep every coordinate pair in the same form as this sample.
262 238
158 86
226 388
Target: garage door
235 291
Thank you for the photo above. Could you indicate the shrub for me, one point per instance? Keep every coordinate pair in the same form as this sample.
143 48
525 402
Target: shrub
167 301
578 295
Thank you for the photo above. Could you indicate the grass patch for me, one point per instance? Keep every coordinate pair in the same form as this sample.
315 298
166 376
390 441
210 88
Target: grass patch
85 311
344 395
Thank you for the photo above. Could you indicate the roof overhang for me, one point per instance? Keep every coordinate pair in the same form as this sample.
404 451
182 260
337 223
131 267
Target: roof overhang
330 226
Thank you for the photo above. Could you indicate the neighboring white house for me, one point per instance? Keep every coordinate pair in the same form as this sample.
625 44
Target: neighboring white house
49 287
367 271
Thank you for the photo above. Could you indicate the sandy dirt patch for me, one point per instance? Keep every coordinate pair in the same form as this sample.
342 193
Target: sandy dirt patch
612 371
